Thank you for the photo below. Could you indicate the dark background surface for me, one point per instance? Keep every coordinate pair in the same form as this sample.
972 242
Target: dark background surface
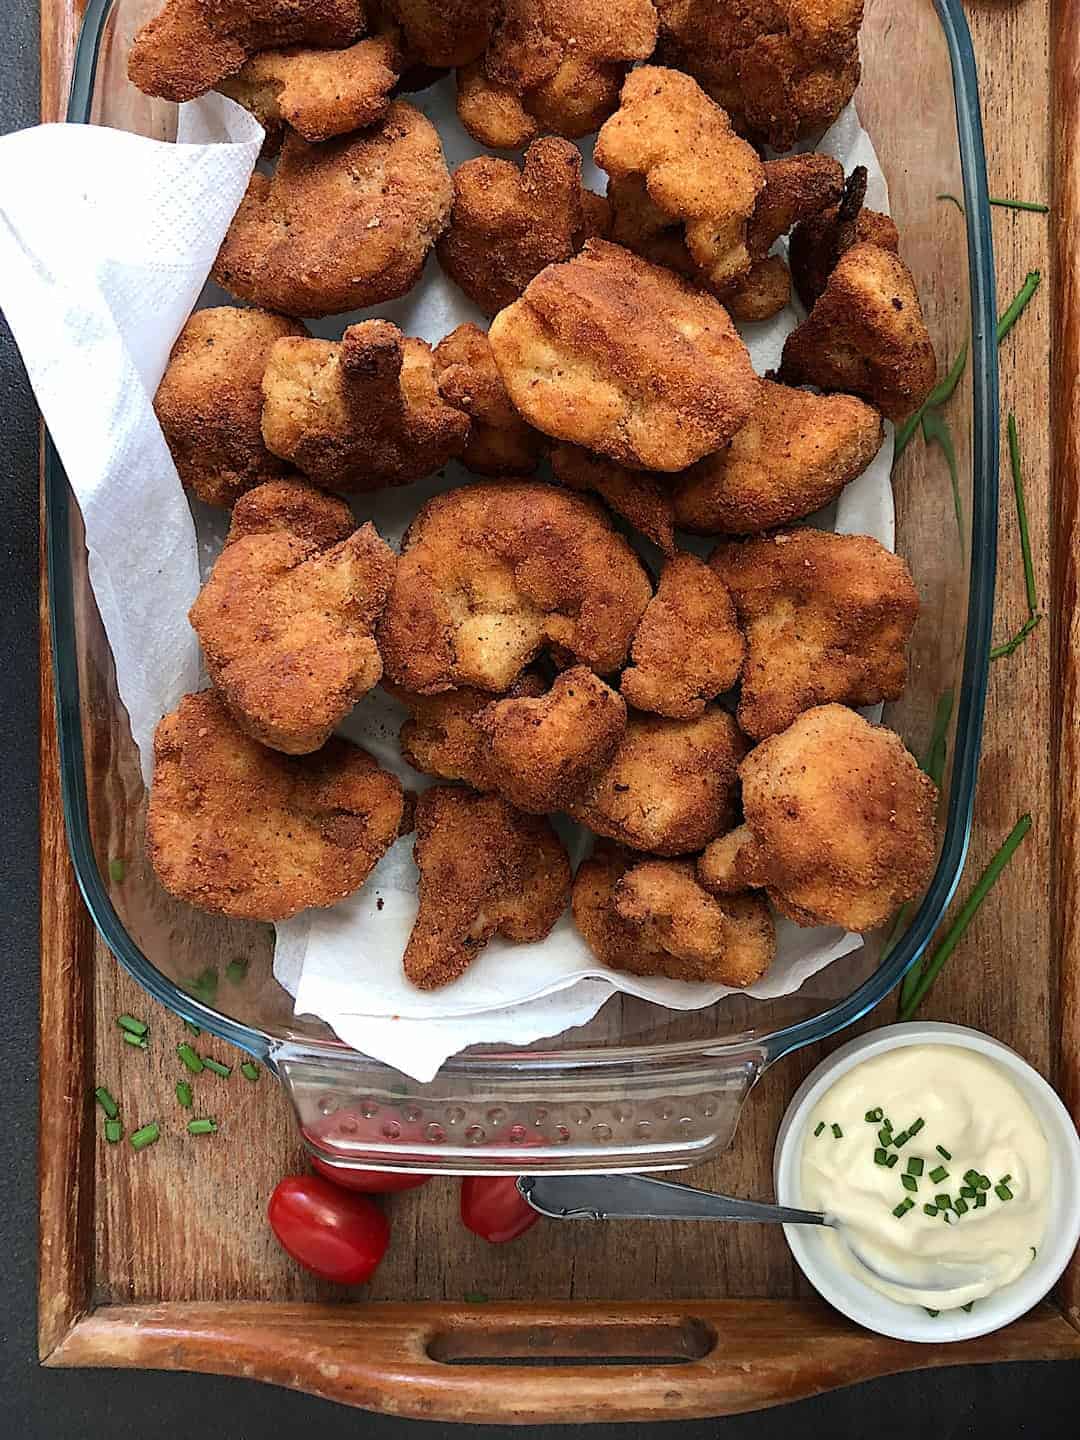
1031 1400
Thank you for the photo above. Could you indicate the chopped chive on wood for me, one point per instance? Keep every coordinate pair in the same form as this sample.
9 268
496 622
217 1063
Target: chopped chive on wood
236 970
183 1094
131 1025
929 1209
818 1128
190 1059
915 1165
881 1156
939 1173
838 1134
980 1200
960 1205
1033 615
1018 304
249 1070
909 1182
1036 205
874 1116
145 1136
117 871
890 1160
1003 1192
946 196
139 1041
943 1201
192 1029
885 1135
202 1127
902 1209
475 1297
114 1131
216 1067
945 1154
107 1103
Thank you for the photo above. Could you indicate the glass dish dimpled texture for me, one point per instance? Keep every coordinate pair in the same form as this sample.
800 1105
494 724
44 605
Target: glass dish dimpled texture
639 1087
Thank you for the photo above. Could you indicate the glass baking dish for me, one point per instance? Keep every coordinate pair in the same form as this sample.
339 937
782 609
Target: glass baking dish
639 1087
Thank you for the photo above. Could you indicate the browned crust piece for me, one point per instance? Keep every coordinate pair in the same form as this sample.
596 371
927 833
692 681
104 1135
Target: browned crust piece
507 224
285 620
490 575
240 830
442 737
626 359
209 402
866 335
485 869
359 413
192 44
342 225
783 69
670 787
500 442
818 241
493 114
317 93
839 822
827 618
688 648
636 495
794 455
441 34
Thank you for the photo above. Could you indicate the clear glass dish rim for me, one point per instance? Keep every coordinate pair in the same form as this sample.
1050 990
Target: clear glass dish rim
974 674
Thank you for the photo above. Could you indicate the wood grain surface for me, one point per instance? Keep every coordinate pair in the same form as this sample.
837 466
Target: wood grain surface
172 1242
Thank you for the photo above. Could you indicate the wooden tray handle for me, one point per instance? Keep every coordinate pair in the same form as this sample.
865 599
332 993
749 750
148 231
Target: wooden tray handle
534 1365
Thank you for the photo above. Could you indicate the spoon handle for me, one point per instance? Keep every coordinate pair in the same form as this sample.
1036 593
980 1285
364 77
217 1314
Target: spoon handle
638 1197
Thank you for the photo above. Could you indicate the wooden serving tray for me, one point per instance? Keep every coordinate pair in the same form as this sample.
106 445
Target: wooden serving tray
165 1260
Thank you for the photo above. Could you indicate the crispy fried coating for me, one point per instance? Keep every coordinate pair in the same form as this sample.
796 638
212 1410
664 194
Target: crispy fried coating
688 648
507 224
192 44
652 918
318 93
209 402
818 241
442 736
624 358
359 413
670 787
286 618
866 335
441 33
762 293
341 225
839 822
697 172
493 114
783 69
635 495
240 830
827 617
795 454
485 869
500 442
490 575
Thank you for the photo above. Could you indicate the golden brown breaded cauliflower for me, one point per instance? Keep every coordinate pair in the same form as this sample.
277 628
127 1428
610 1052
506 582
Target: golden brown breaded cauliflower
795 454
507 224
624 358
240 830
634 494
563 60
839 825
827 617
317 93
485 869
359 413
688 648
500 442
441 33
491 575
192 44
651 917
866 335
818 241
670 787
341 225
286 618
441 736
493 114
697 172
783 69
209 402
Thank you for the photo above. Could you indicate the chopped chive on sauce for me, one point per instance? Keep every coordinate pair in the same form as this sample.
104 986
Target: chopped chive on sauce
915 1165
183 1094
984 1182
902 1138
968 1192
139 1041
202 1127
1034 1252
881 1156
967 1308
114 1131
943 1201
107 1103
916 1125
145 1136
838 1134
890 1160
249 1070
980 1200
945 1154
190 1059
902 1209
1003 1192
938 1174
884 1135
1005 1179
117 871
909 1182
216 1067
818 1128
932 1313
875 1115
929 1209
131 1026
960 1205
971 1177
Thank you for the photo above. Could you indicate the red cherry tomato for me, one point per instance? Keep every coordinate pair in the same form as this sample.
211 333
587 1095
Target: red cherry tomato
372 1182
492 1207
334 1234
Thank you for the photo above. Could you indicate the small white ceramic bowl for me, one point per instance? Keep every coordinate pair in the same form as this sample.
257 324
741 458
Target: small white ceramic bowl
809 1244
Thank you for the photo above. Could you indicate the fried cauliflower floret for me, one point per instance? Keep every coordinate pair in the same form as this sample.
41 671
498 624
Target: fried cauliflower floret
493 114
783 69
441 33
192 44
635 495
827 618
359 413
318 93
670 787
652 918
342 225
499 443
491 575
507 224
818 241
621 357
240 830
839 822
485 869
762 293
866 335
696 170
209 402
795 454
285 620
688 648
442 737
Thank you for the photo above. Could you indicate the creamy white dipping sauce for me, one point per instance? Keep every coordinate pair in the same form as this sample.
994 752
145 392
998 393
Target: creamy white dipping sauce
969 1107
